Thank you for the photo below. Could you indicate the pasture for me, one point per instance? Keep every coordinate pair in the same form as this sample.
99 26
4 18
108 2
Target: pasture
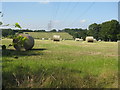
64 64
47 35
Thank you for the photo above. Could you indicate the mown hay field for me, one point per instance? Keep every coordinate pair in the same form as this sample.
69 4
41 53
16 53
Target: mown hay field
47 35
64 64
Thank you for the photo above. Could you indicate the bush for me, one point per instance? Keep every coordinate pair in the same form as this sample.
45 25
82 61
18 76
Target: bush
118 36
6 32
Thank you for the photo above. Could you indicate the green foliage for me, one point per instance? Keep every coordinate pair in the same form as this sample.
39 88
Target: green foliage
7 32
109 30
118 36
17 25
1 23
105 31
3 47
54 30
20 31
20 40
94 30
76 33
11 36
39 31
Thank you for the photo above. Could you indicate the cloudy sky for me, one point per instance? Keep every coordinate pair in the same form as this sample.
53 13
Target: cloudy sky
58 15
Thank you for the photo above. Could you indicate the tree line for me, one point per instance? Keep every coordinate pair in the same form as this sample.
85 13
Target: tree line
109 30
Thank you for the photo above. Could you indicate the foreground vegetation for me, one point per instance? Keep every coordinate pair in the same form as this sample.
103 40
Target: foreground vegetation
61 64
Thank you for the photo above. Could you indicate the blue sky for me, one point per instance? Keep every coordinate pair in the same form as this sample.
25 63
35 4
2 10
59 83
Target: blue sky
37 15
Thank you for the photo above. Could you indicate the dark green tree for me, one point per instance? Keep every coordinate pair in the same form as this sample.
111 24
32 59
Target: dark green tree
94 30
7 32
1 23
54 30
118 36
109 30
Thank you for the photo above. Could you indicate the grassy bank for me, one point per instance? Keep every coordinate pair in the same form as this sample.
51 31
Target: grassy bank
47 35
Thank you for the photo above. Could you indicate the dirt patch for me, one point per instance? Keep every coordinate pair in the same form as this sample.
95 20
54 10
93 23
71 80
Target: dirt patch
112 55
87 53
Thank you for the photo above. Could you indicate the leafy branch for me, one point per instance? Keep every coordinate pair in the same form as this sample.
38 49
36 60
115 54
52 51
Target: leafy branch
20 40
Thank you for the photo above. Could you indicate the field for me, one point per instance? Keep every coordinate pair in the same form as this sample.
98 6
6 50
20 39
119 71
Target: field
65 64
47 35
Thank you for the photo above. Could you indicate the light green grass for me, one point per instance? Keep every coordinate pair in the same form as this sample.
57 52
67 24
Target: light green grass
47 35
62 64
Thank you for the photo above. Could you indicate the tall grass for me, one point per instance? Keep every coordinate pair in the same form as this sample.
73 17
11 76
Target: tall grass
65 64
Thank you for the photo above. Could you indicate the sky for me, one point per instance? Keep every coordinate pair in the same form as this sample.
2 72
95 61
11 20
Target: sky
58 15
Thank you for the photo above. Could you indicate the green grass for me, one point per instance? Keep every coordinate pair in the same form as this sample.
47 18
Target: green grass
47 35
68 64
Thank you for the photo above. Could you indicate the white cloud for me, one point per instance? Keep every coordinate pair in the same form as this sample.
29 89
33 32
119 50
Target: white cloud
44 2
83 21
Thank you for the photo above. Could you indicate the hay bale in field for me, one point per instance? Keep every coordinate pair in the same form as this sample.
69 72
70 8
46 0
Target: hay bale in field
61 39
43 38
89 39
95 40
56 37
49 38
81 40
77 39
99 40
27 45
118 40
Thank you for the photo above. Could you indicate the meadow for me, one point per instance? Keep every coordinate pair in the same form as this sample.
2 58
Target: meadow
47 35
64 64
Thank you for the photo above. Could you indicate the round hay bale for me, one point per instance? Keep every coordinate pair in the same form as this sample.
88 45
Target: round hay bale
99 40
118 40
77 39
56 37
81 40
95 40
28 44
49 38
43 38
89 39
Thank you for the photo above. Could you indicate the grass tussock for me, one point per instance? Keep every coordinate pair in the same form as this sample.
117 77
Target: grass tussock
56 77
